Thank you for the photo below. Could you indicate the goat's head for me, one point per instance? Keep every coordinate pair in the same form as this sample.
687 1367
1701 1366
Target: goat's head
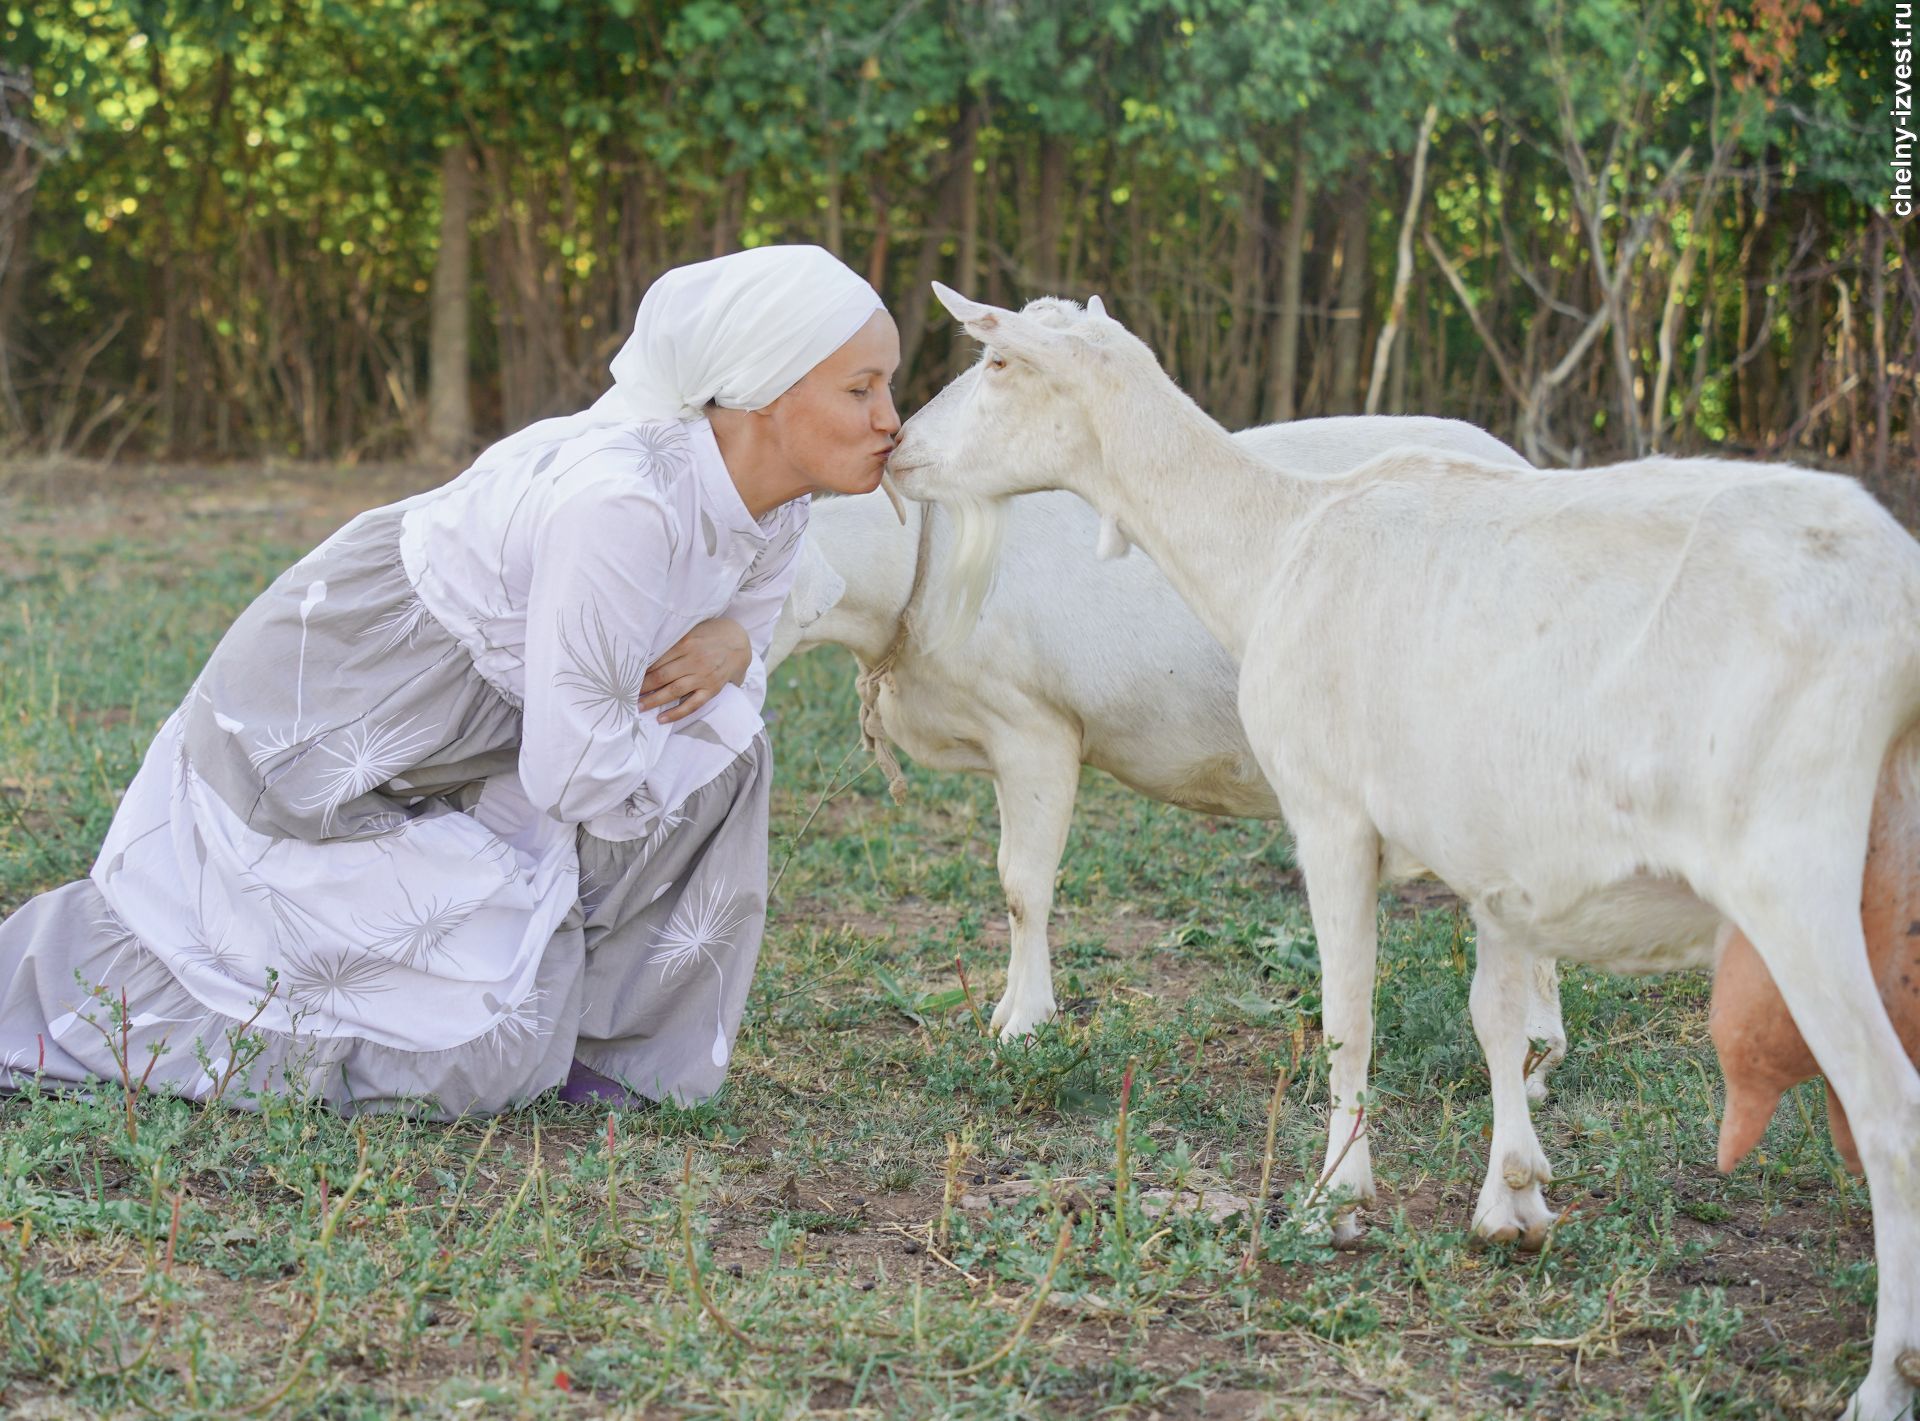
1027 416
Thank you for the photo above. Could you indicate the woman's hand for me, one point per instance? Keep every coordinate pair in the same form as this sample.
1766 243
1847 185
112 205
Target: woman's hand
694 668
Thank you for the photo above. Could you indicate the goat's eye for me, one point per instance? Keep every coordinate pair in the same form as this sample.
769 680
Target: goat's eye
996 362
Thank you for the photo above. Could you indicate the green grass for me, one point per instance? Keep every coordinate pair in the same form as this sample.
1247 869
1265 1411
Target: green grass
289 1262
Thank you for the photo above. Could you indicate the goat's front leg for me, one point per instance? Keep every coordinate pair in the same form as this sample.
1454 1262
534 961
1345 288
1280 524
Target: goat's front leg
1545 1029
1511 1207
1341 865
1035 778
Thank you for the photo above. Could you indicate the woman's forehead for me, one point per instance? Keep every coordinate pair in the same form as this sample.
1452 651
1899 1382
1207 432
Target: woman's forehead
874 348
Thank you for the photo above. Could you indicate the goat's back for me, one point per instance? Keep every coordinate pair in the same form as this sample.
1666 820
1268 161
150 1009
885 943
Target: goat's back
1661 650
1110 643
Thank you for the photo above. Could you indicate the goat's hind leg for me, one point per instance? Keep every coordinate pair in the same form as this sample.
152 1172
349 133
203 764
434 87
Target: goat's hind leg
1806 928
1034 781
1341 865
1512 1207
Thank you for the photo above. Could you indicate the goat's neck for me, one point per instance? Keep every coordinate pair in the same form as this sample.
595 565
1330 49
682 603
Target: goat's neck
1207 513
876 559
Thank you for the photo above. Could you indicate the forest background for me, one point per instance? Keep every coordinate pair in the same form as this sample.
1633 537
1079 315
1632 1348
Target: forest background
354 229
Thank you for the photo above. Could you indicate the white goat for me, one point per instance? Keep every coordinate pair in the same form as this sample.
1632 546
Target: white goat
1613 709
1073 660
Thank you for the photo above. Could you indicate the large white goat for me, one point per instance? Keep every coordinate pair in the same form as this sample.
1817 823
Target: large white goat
1073 660
1614 709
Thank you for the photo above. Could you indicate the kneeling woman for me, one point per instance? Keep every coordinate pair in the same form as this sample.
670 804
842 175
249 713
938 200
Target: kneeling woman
421 834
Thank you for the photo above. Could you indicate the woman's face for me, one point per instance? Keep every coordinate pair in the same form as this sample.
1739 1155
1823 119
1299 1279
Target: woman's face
837 426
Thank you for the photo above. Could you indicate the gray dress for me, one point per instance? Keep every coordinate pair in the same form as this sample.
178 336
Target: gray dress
331 876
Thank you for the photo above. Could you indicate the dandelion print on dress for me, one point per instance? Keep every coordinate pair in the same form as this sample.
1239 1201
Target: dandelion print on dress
698 925
410 645
606 675
290 922
400 626
316 594
270 747
662 831
663 448
605 680
517 1028
329 980
369 754
221 957
417 935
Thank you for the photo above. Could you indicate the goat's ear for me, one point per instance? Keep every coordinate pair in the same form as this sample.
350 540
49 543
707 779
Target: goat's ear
976 316
1113 541
1007 332
1095 306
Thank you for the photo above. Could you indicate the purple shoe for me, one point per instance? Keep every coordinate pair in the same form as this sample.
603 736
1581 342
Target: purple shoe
586 1086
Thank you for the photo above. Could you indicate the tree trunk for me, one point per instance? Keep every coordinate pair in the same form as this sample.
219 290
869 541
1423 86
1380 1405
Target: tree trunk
966 259
1699 235
1044 260
834 239
882 234
1236 372
1809 327
16 211
1285 338
1403 272
913 309
449 432
1882 390
1344 396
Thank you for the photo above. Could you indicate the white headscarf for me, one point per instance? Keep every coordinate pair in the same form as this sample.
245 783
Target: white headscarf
738 331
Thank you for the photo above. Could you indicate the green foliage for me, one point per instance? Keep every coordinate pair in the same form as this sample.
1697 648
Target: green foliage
232 242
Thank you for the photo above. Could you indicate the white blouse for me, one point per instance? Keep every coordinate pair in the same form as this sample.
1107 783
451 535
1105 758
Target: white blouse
566 586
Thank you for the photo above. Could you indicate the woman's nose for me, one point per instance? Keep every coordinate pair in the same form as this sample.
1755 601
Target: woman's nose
886 419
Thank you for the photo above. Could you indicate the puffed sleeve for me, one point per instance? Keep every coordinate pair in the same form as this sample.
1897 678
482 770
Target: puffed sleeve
596 618
762 593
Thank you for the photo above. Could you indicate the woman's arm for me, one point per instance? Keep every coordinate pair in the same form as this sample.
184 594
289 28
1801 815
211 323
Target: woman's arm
595 613
763 592
694 668
731 647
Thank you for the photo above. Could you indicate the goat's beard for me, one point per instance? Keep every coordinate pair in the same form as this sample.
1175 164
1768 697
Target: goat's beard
973 562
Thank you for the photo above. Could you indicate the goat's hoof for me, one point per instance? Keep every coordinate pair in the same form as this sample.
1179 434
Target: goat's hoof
1013 1020
1349 1227
1887 1398
1513 1210
1527 1238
